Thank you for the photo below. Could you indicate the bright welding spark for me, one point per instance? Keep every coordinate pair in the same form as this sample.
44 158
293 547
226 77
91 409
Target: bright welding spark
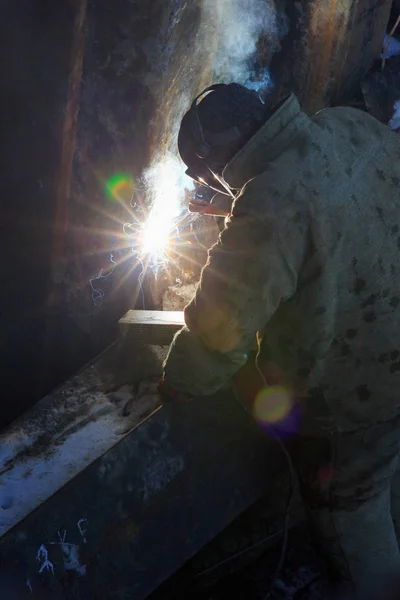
157 208
156 232
155 235
97 293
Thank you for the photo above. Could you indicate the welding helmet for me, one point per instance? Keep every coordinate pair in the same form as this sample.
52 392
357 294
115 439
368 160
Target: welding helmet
214 130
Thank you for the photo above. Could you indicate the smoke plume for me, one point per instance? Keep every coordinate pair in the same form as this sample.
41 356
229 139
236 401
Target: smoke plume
225 49
240 24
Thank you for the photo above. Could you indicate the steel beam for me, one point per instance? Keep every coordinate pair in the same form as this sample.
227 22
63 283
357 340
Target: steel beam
133 515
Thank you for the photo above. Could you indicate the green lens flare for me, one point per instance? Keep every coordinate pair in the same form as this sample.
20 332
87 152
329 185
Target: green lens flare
120 187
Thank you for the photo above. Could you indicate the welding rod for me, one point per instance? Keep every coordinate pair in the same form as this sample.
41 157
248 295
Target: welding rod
208 209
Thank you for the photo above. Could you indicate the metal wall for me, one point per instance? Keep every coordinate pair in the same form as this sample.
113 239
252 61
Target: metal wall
330 46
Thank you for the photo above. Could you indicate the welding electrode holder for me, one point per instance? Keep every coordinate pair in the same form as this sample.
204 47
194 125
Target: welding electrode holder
205 208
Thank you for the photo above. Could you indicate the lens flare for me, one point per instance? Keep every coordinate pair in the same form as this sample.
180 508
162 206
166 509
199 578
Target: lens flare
120 187
275 409
272 405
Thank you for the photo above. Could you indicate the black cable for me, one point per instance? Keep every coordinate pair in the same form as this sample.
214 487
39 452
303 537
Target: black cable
285 529
228 559
289 497
276 437
286 520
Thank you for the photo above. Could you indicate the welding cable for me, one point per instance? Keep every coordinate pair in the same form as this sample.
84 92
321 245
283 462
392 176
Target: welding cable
289 461
275 435
166 391
284 531
272 431
232 557
185 585
286 519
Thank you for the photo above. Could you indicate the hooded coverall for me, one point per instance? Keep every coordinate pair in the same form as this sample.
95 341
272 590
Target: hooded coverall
310 259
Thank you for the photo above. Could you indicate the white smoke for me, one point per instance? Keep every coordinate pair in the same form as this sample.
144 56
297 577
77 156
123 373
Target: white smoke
240 23
227 42
260 83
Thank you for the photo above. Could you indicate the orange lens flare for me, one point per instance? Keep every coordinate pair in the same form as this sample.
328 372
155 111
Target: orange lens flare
273 404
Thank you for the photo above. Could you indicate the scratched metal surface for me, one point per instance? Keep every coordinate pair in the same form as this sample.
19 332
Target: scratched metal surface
73 426
125 523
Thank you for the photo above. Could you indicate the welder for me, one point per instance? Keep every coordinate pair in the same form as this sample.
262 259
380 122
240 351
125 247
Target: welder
308 263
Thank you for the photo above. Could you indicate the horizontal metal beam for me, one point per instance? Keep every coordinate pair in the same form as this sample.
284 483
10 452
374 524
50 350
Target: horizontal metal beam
156 327
134 515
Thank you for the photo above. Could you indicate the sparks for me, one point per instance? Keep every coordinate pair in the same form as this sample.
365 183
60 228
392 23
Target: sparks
157 213
155 236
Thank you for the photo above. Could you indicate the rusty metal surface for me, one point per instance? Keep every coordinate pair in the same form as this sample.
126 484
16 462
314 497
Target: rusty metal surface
69 133
58 258
130 519
332 44
344 37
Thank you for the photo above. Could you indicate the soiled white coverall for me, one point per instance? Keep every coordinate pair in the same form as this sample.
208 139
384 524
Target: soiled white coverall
310 259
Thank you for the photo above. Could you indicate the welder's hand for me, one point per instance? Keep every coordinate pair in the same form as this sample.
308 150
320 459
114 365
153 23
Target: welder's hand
205 208
198 206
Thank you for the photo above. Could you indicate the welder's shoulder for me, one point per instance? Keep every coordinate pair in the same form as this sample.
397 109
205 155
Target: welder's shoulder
274 199
267 190
353 125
